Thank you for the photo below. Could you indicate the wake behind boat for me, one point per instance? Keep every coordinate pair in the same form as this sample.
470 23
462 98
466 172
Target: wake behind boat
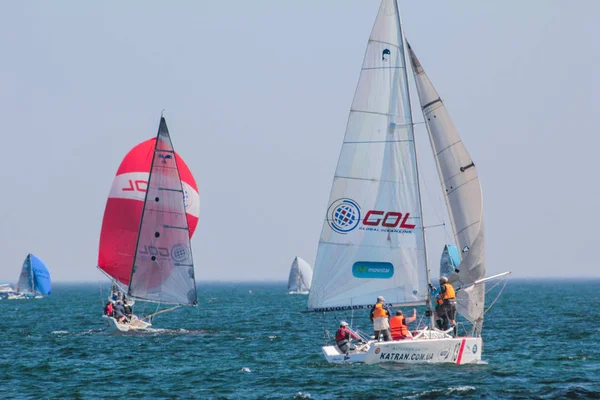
373 239
151 214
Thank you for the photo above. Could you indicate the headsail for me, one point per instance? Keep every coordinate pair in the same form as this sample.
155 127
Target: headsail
372 240
163 267
124 206
34 277
462 191
300 276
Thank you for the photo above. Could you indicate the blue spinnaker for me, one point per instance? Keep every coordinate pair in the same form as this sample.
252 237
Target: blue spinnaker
41 275
450 260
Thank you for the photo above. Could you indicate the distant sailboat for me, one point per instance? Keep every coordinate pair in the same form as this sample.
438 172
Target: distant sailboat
373 239
34 281
151 214
300 277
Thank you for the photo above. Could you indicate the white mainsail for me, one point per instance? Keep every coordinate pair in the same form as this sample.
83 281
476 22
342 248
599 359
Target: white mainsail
462 191
300 276
372 240
163 268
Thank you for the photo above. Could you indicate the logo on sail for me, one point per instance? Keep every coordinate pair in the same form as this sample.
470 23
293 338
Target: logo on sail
373 270
343 215
165 157
179 253
385 53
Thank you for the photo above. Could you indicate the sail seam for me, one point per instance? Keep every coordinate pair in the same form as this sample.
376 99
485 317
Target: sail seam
369 179
467 227
447 147
371 68
382 42
379 141
459 186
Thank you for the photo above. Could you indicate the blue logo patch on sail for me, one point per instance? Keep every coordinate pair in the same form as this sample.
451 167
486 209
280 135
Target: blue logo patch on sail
373 270
385 53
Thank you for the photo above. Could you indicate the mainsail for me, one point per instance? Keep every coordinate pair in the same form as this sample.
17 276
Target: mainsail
462 191
372 241
163 269
300 276
123 213
34 278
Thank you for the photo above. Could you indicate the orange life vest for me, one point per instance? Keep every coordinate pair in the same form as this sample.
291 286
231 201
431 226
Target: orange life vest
397 327
449 293
379 311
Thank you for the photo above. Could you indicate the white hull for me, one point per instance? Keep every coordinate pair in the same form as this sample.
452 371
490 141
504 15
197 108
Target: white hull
136 324
460 350
298 292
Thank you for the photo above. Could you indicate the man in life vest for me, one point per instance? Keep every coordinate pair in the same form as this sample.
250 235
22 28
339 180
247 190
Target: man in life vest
399 325
342 337
380 314
108 309
446 300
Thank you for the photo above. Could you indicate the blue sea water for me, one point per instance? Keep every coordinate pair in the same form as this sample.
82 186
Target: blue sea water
250 340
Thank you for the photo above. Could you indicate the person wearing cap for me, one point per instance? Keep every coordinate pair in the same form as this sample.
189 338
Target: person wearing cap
342 337
380 314
399 325
446 300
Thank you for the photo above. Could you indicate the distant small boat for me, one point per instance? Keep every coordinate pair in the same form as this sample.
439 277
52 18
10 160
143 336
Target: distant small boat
34 281
300 277
150 216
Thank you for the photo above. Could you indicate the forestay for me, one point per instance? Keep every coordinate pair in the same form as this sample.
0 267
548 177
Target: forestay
163 268
372 238
462 190
300 276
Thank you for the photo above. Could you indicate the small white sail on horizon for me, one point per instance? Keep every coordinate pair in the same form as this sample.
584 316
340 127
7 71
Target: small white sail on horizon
300 277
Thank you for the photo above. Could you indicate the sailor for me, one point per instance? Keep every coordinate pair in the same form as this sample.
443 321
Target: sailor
108 309
380 314
399 325
120 312
446 300
342 337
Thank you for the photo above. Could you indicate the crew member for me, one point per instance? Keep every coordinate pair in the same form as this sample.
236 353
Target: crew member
380 314
446 300
342 337
399 325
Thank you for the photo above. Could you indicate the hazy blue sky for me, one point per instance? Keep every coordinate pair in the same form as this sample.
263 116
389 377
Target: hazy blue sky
257 96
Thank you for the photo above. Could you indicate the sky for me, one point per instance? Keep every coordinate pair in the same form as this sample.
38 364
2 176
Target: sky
256 97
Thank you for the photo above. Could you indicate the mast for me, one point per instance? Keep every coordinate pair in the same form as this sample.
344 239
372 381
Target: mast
137 242
429 299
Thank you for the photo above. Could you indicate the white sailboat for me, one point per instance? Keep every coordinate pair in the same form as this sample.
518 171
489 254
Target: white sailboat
373 239
145 246
300 277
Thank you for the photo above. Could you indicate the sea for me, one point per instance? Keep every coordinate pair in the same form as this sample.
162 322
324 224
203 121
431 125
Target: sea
249 340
